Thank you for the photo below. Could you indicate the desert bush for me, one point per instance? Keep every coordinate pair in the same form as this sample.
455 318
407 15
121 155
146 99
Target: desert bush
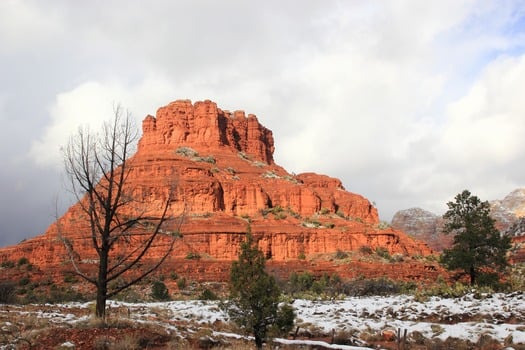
7 292
383 253
311 223
290 179
306 283
270 175
159 291
8 264
69 278
182 283
324 211
102 343
208 159
208 295
365 250
187 152
243 155
340 254
365 287
129 295
490 279
285 320
230 170
319 286
397 257
516 277
442 289
60 295
345 337
301 282
485 341
278 212
23 261
24 281
193 256
383 225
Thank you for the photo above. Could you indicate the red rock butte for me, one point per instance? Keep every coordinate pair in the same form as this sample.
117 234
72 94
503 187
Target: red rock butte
219 168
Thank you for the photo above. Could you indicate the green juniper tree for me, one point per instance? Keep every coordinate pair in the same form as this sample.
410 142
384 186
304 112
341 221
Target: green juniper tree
159 291
478 246
254 295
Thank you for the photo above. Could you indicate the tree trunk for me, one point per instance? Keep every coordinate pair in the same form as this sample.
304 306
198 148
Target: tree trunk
258 342
257 334
472 274
102 285
100 310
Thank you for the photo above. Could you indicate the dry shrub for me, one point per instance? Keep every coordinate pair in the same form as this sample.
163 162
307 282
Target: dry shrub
449 343
91 322
345 337
7 292
102 343
486 342
130 342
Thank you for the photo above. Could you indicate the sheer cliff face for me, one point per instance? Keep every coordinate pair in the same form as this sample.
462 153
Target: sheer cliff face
218 168
223 162
207 128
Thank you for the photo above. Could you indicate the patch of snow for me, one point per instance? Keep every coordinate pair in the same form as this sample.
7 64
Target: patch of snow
465 318
319 343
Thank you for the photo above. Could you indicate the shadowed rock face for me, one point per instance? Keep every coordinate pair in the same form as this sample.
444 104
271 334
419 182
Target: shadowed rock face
219 168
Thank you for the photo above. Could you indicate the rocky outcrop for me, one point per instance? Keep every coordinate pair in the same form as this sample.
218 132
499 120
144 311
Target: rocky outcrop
509 214
423 225
508 210
217 170
205 127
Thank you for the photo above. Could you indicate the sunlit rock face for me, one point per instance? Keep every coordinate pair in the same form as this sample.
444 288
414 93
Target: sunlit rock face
217 170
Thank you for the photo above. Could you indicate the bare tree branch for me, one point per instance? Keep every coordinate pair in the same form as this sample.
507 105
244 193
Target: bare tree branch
98 168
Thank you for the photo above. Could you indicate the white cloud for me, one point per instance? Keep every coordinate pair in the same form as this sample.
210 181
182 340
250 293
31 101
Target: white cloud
90 104
485 128
395 98
23 26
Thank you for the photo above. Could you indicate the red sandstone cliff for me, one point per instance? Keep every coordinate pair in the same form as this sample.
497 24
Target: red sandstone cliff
220 170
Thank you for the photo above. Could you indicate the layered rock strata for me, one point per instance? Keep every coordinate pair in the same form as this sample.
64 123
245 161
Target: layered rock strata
218 170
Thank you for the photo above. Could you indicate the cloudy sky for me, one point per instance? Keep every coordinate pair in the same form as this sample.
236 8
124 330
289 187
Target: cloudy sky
407 102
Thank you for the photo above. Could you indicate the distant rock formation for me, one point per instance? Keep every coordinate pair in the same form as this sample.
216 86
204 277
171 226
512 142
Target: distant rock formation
423 225
508 210
509 214
221 167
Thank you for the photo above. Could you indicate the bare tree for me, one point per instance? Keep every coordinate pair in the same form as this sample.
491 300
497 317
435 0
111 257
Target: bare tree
120 227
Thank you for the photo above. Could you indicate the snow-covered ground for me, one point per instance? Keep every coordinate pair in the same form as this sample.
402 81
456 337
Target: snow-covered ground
469 317
464 318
